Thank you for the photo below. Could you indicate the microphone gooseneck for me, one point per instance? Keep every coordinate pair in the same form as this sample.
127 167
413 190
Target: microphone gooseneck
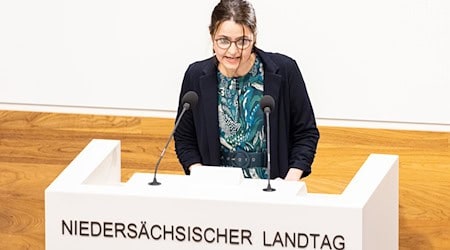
189 101
267 104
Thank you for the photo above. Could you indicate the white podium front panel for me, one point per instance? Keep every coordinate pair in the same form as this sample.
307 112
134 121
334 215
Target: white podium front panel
87 207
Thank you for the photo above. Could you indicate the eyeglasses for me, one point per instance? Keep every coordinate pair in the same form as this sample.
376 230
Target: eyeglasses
225 43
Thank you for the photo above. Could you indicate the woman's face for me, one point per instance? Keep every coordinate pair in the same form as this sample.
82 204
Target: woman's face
233 45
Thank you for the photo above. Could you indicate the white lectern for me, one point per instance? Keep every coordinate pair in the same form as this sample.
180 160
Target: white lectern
87 207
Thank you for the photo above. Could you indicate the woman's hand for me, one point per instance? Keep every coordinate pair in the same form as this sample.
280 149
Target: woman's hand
194 166
294 174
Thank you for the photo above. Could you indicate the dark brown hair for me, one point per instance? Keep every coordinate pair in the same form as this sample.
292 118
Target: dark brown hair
239 11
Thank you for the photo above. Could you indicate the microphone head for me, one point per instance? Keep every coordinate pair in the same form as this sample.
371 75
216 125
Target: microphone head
189 99
267 103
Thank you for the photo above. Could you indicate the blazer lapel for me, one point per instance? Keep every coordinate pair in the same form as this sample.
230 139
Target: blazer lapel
272 84
208 94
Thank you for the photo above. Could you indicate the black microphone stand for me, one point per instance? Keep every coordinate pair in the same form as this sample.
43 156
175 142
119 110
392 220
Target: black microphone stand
268 188
186 106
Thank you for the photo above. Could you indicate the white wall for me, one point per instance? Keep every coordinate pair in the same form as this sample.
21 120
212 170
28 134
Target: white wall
366 63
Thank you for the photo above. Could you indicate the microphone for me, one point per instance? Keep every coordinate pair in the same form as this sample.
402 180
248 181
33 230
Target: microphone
267 103
189 101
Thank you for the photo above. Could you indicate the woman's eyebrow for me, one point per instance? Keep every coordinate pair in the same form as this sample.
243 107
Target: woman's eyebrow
229 38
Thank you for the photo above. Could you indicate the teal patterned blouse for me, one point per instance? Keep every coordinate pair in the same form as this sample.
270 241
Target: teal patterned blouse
241 120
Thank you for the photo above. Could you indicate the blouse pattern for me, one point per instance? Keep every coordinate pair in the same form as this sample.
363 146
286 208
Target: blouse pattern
241 120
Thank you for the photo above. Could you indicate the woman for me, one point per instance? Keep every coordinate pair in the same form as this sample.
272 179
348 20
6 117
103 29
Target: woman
226 127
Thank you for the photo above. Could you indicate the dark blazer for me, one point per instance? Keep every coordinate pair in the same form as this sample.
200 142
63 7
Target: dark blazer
294 135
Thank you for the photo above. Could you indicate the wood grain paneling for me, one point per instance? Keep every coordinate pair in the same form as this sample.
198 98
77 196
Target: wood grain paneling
35 147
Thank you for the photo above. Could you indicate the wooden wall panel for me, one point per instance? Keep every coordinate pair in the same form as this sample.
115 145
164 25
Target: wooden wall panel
35 147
